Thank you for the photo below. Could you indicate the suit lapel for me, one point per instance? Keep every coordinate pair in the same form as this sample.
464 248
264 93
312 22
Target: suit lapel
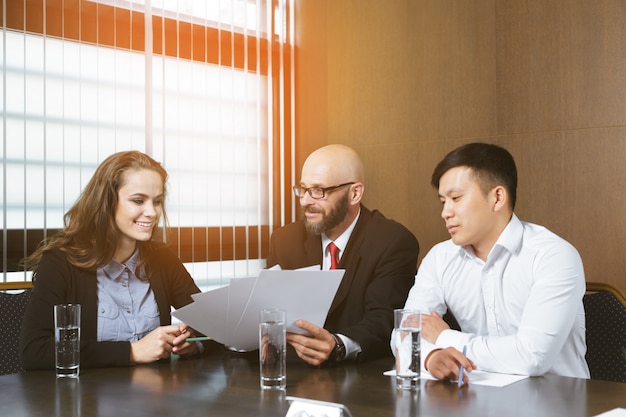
351 259
313 249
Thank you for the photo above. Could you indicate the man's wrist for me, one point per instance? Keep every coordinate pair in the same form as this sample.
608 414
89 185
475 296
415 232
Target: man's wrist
429 357
339 351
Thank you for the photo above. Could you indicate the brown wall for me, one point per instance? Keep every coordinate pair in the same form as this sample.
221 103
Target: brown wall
406 81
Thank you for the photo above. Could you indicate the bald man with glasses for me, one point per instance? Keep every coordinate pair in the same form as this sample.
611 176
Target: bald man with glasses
379 256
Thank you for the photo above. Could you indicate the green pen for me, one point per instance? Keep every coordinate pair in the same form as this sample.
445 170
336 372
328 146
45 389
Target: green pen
197 339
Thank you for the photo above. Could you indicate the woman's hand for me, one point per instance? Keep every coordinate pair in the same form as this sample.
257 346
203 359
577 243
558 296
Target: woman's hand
160 343
180 346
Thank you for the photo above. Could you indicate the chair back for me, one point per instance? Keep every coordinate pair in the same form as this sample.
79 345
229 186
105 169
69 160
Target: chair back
12 307
605 311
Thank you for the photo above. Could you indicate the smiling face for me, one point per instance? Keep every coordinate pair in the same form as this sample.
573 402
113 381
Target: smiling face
328 167
328 213
139 207
472 217
325 215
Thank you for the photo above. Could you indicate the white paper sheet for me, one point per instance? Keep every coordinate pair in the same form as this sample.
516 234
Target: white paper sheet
616 412
493 379
476 377
230 314
314 408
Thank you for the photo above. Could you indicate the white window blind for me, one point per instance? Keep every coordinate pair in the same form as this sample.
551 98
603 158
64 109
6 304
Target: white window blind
206 88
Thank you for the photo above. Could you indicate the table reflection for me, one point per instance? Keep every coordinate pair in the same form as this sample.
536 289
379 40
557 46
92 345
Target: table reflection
448 395
536 396
407 401
67 397
227 384
158 378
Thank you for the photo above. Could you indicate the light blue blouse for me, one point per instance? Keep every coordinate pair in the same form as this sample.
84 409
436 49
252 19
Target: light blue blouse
127 309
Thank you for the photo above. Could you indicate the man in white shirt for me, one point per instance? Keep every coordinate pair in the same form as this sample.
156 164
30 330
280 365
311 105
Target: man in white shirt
515 288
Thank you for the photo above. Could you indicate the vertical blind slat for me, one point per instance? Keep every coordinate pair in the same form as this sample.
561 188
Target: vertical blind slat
109 90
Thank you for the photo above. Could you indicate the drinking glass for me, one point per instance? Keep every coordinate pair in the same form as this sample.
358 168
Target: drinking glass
273 349
407 332
67 340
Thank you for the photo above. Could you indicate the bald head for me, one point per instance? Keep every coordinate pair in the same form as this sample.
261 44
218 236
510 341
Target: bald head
333 164
338 171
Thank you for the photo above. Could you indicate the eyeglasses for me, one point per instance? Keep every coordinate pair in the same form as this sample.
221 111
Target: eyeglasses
317 192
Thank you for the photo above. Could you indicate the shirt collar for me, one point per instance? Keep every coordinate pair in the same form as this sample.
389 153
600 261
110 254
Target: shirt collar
113 269
510 239
342 241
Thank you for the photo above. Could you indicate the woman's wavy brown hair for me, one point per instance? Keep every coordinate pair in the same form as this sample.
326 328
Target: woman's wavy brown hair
89 236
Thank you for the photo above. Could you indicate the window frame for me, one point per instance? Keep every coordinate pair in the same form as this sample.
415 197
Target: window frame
115 27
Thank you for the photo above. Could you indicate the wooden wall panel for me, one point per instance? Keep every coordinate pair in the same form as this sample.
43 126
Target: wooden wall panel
561 95
409 71
311 81
406 81
560 64
595 180
568 182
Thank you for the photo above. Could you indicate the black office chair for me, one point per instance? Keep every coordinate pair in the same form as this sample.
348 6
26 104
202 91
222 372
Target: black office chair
605 311
12 306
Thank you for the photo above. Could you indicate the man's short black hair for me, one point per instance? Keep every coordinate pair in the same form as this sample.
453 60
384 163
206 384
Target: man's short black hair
491 166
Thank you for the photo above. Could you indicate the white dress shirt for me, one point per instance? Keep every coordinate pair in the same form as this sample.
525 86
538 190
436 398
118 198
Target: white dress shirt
341 242
521 312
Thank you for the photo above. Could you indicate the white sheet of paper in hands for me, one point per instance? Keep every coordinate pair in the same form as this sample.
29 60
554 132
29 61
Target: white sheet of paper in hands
230 314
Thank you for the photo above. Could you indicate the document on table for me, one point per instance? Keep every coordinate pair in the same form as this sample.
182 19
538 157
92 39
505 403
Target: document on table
477 377
493 379
230 314
616 412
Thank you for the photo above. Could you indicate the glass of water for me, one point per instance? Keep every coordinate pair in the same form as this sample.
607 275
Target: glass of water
273 349
67 340
407 332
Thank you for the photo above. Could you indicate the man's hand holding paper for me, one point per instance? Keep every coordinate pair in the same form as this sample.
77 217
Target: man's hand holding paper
315 346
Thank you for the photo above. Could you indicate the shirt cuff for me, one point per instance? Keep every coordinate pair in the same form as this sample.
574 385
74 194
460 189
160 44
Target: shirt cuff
352 348
453 338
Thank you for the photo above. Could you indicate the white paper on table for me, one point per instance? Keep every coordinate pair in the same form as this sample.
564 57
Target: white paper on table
616 412
476 377
315 408
230 314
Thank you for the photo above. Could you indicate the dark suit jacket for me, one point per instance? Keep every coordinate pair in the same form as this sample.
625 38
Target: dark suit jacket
380 262
58 282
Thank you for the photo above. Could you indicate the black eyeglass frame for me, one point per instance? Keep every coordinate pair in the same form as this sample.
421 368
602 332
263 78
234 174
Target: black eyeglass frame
300 191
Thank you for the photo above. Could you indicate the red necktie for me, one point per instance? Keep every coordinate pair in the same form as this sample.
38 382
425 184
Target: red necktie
334 255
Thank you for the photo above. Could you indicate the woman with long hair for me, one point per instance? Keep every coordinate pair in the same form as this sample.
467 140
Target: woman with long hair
110 258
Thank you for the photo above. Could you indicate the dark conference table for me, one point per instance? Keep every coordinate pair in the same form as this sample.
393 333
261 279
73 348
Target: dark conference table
227 384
